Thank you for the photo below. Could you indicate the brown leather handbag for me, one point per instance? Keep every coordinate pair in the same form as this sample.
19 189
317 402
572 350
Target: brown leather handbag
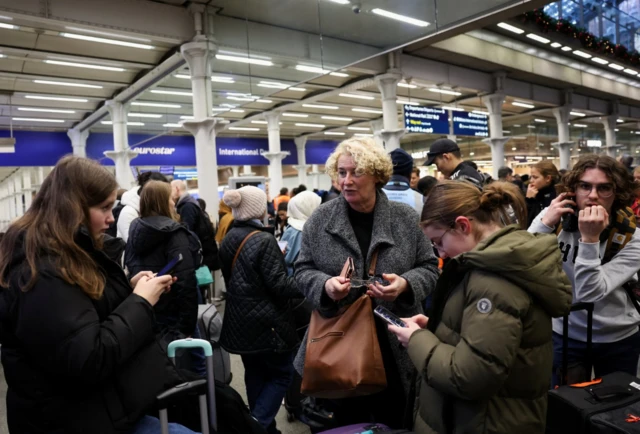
343 357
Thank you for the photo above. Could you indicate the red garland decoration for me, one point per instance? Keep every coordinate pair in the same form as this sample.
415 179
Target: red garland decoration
588 40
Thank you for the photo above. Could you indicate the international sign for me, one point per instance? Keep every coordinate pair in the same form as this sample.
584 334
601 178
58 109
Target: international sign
426 120
470 124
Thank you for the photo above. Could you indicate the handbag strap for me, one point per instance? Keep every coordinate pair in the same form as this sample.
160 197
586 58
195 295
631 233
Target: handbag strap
235 258
374 261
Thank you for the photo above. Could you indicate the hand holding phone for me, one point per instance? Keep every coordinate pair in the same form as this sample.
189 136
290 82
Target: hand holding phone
168 269
560 206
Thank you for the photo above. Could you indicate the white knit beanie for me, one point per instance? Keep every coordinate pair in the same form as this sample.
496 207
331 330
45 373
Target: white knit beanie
246 203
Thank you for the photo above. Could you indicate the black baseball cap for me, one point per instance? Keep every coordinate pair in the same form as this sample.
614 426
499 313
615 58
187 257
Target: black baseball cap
439 147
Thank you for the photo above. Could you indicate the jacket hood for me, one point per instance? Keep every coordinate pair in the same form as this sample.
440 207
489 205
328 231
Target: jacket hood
146 234
531 261
131 198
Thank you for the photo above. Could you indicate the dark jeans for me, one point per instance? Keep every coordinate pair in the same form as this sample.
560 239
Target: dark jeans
605 358
267 377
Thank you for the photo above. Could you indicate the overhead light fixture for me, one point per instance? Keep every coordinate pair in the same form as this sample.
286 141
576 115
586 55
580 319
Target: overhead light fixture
308 68
358 128
131 124
363 135
407 85
517 125
599 60
398 17
582 54
531 126
106 41
244 129
538 38
240 98
187 117
542 121
219 109
297 89
556 45
155 104
580 125
445 91
310 125
631 71
340 2
218 79
334 133
171 125
337 118
2 56
620 121
511 28
402 101
259 122
4 17
455 109
506 132
8 26
63 83
54 121
566 48
172 92
339 74
319 106
84 65
480 112
577 114
353 95
56 98
295 115
264 101
236 111
144 115
367 111
44 110
514 149
115 35
616 67
616 130
249 60
272 85
523 104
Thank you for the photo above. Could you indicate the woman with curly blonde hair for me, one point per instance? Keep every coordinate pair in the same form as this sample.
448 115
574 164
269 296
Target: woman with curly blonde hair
358 223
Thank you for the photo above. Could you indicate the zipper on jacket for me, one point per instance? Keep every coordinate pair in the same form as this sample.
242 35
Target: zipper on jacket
328 335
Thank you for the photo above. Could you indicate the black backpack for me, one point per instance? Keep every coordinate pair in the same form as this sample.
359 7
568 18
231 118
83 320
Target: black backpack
207 235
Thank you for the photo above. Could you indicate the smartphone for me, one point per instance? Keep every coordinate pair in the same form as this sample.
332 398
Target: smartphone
570 220
168 269
389 317
283 245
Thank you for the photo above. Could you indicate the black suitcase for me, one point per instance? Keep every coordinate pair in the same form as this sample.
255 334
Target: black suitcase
603 406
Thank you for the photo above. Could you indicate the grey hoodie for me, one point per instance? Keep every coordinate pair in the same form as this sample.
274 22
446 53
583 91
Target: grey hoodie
614 316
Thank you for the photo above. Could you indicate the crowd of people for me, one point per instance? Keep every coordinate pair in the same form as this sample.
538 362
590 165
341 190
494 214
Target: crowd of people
481 272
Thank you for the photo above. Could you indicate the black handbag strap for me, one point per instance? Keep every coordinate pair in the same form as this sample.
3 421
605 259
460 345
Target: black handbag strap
235 258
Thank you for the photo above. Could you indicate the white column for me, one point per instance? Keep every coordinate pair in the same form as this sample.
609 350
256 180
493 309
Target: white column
275 154
121 155
376 128
564 144
315 171
12 200
610 133
27 190
79 142
236 171
301 145
496 141
199 55
18 194
246 171
392 133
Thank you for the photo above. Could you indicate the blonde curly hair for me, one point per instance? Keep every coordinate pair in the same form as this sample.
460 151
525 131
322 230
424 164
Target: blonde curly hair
369 158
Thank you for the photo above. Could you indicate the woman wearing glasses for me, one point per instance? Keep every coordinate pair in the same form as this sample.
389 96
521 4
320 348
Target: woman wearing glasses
484 353
598 191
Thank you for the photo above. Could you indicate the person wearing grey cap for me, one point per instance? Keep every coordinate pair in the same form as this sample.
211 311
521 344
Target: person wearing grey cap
398 188
445 154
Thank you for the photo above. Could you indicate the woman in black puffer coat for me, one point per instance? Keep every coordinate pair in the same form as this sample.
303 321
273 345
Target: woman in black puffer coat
78 346
542 188
154 240
258 323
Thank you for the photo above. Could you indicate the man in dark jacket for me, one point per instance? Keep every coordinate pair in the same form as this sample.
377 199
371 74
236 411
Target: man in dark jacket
197 222
445 154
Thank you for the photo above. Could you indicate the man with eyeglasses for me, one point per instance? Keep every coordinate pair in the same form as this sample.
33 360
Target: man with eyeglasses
600 253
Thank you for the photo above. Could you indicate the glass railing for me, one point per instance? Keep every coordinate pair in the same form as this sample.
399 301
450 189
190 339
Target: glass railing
614 21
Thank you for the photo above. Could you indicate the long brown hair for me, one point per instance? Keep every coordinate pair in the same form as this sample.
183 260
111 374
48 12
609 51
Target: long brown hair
154 200
449 200
623 182
547 168
49 226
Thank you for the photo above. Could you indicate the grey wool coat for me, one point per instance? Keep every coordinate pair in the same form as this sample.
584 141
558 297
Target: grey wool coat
328 239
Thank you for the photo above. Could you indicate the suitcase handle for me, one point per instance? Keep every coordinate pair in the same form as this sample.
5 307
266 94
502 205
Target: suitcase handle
565 336
189 343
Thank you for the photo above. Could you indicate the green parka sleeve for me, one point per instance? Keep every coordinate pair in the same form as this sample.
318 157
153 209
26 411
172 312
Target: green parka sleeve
491 331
